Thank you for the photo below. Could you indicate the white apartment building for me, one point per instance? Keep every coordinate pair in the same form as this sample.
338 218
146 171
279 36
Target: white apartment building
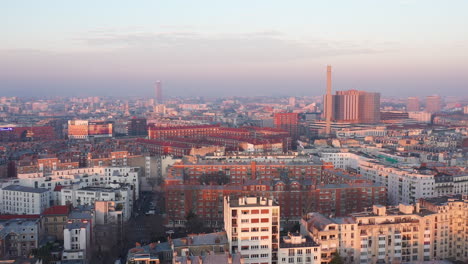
76 241
89 195
81 177
352 133
298 249
423 117
451 185
252 227
403 185
16 199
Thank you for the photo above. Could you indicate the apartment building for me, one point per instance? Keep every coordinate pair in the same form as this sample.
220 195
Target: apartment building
17 199
181 131
238 172
84 129
432 229
448 225
252 226
122 197
54 219
76 241
82 177
297 188
404 185
298 249
18 237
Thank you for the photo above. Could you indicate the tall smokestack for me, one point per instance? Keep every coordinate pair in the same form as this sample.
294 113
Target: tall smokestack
328 101
158 93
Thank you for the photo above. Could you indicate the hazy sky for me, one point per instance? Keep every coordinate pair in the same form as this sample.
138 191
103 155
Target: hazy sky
217 47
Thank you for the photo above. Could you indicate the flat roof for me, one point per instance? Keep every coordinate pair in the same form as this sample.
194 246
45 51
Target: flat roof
19 188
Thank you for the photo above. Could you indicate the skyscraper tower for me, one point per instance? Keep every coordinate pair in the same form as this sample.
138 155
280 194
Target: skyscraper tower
356 107
328 102
412 105
159 98
433 104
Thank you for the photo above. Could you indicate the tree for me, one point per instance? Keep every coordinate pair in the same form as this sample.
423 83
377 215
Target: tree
152 181
194 224
337 259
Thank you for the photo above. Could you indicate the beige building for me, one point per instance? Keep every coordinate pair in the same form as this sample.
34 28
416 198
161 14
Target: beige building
298 249
432 229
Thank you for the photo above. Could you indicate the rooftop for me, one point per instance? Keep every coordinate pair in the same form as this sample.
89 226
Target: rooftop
202 239
251 202
76 225
19 188
297 240
443 200
57 210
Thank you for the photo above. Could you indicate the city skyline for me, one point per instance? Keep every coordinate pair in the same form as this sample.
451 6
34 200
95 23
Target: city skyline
237 132
261 48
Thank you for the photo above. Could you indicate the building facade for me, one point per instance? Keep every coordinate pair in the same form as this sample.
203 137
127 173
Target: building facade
252 226
76 241
16 199
432 229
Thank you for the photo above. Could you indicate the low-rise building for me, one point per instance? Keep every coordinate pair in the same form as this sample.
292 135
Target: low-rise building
54 219
298 249
18 237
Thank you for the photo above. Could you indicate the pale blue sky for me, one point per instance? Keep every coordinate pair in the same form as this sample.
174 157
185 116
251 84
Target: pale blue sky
406 47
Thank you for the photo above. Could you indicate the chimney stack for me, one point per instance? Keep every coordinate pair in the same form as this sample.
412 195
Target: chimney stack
328 102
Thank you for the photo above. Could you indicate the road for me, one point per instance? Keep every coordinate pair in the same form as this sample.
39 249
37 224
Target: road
143 228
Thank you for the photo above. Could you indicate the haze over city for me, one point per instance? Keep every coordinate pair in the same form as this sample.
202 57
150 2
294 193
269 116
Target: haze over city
398 48
234 132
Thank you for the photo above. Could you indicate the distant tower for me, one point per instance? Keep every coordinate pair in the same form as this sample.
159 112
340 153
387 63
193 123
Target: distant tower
412 105
292 101
127 109
159 98
328 102
433 104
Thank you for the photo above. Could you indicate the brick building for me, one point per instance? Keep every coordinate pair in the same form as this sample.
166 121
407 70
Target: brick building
34 133
297 187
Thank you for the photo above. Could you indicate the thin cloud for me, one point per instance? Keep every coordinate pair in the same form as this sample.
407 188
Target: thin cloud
256 44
